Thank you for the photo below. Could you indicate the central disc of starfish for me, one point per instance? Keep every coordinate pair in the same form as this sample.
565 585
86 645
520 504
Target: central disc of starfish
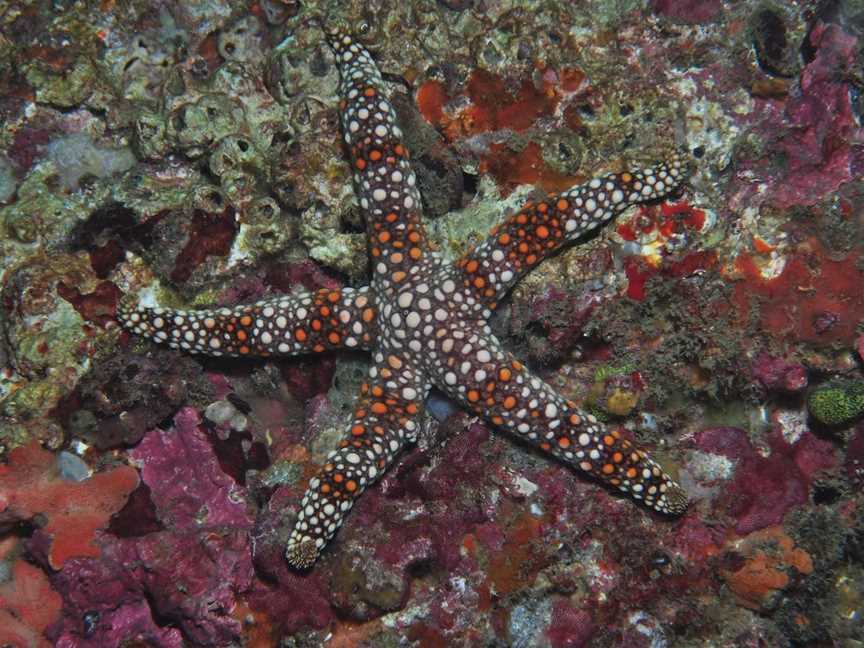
425 322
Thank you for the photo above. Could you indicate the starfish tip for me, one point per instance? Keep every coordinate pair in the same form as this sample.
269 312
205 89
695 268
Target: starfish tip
677 500
302 555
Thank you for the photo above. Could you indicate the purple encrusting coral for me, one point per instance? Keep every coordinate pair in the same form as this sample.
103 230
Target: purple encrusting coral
189 573
855 459
765 488
816 130
187 153
779 375
187 487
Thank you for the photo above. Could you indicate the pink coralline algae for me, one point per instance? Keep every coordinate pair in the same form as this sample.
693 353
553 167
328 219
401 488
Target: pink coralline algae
823 142
570 628
778 374
189 573
855 458
189 489
291 600
689 11
765 488
31 484
190 580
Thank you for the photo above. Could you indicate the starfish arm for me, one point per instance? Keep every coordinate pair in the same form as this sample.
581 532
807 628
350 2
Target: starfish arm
538 230
477 372
291 325
385 420
384 182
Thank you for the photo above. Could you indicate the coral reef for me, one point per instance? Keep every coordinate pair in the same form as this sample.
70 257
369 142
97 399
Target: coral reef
187 153
837 403
70 509
181 552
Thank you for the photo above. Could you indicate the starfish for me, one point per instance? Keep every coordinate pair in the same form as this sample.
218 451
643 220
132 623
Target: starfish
425 321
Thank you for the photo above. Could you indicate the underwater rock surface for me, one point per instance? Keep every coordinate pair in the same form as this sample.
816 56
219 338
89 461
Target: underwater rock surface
189 153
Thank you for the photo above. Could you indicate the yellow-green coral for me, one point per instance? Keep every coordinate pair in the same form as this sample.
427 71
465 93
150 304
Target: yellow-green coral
837 403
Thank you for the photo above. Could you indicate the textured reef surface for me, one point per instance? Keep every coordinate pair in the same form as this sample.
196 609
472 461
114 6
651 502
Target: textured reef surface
189 153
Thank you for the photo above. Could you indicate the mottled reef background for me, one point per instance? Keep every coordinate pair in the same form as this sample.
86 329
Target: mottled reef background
189 152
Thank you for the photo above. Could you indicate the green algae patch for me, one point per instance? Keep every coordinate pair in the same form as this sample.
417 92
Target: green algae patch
837 402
